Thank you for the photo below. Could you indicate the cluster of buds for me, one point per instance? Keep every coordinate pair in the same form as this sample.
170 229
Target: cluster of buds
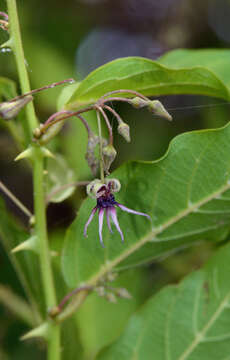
107 152
102 190
111 293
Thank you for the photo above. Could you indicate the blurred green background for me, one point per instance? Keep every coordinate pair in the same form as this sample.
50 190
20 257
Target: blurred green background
70 39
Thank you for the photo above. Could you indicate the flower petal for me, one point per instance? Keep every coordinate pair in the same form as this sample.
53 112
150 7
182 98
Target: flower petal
113 214
124 208
107 211
89 220
100 219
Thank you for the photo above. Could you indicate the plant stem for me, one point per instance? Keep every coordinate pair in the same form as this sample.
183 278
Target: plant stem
101 145
44 252
107 124
29 125
31 122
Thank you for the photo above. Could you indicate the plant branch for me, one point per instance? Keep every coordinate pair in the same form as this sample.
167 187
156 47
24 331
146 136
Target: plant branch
101 147
35 91
30 122
107 124
117 116
15 200
44 252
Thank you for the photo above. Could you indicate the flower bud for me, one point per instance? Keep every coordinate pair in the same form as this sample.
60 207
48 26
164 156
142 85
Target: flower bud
138 102
49 134
109 154
113 184
123 130
10 109
158 109
93 187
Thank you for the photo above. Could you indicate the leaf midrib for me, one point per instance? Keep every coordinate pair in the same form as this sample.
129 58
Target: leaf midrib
161 67
201 334
110 265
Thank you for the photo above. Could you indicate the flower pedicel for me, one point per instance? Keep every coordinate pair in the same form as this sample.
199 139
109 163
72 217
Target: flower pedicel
106 204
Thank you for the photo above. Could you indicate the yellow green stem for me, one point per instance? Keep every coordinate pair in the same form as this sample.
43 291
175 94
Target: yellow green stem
29 124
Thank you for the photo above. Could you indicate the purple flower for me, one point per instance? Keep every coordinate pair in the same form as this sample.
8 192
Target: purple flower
106 204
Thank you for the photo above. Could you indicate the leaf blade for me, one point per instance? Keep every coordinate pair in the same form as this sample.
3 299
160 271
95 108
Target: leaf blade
152 78
171 191
194 308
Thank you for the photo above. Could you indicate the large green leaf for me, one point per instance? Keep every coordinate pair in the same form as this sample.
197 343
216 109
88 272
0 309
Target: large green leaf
202 74
186 193
189 321
215 60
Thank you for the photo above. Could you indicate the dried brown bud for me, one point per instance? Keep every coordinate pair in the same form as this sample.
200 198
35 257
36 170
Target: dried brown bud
93 162
123 130
10 109
109 154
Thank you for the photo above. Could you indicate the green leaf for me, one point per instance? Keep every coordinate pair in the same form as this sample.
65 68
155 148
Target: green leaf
59 176
7 89
25 263
154 78
215 60
186 193
189 321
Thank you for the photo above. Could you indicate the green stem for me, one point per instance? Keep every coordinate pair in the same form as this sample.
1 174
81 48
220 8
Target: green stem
30 122
44 252
101 146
